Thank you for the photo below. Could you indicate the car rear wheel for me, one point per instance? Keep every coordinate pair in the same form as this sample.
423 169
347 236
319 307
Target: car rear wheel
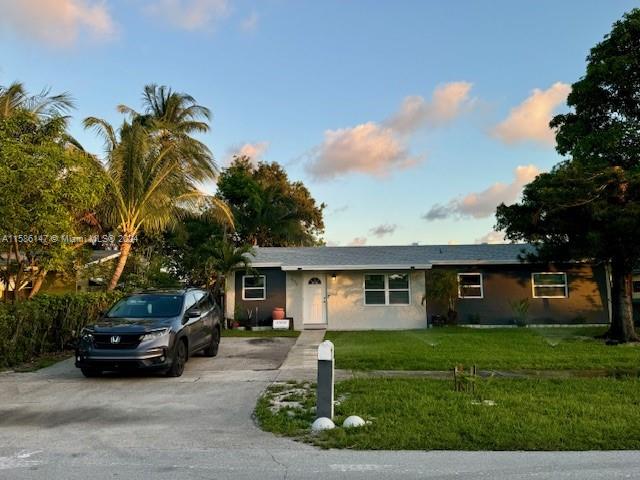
91 372
212 349
179 360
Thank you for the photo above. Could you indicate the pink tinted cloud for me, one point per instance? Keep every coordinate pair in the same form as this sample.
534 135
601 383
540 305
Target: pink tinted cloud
59 23
380 149
483 204
190 15
529 121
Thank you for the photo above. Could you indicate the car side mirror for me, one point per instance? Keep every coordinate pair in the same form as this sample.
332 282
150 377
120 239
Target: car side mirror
193 313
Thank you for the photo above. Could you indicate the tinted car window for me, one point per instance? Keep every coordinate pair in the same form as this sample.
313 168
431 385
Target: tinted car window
147 306
190 300
205 303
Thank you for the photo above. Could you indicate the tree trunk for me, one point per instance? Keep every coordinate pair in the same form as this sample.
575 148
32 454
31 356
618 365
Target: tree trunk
621 328
125 249
37 284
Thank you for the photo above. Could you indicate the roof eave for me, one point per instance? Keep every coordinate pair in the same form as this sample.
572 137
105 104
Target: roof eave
407 266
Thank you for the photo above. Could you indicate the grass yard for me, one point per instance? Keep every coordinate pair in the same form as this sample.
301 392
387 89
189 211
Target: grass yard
491 348
421 414
262 333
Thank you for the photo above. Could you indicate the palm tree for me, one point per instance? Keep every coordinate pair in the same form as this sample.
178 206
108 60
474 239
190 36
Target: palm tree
43 105
225 259
153 168
174 118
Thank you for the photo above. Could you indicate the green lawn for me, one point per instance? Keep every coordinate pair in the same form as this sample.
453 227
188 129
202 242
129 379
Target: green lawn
504 348
421 414
263 333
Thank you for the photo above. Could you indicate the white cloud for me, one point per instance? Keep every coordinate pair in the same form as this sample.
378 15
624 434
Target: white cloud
383 230
492 237
380 149
254 151
58 22
250 23
190 14
358 242
367 148
447 102
529 121
331 243
483 204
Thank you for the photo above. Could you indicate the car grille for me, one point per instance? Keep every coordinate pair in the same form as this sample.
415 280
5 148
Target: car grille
127 342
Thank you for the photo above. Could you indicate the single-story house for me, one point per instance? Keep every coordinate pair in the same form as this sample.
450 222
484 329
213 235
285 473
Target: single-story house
56 282
384 287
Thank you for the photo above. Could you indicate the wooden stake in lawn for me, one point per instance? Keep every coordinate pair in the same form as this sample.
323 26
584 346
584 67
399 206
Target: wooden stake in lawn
463 381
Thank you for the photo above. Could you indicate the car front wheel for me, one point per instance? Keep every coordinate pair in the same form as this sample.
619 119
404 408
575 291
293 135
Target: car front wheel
179 360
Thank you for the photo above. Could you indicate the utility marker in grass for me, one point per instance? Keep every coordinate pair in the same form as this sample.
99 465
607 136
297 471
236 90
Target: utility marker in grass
325 397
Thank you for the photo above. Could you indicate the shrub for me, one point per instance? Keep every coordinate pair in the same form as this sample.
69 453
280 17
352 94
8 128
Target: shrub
47 323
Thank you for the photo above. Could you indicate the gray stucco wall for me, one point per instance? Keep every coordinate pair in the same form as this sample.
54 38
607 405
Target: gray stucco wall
586 302
275 296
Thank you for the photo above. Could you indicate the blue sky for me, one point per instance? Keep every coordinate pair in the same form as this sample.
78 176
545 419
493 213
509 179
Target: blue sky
409 119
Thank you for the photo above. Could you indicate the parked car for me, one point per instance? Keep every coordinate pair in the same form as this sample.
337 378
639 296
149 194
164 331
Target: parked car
155 330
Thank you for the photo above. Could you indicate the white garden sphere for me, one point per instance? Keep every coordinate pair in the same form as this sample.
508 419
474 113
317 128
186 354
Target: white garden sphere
353 421
322 423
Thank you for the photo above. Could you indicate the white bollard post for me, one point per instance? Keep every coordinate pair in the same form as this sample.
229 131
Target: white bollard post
324 403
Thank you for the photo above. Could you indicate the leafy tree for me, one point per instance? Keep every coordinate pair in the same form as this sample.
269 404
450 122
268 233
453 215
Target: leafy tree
154 167
202 254
268 208
588 206
49 191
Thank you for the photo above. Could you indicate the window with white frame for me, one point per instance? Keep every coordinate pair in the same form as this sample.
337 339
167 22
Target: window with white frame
386 289
470 285
254 287
549 285
635 287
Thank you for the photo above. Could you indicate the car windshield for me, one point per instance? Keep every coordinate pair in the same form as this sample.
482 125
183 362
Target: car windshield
147 306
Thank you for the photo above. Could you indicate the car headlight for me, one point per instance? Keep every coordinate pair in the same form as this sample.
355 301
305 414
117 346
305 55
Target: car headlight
155 334
86 334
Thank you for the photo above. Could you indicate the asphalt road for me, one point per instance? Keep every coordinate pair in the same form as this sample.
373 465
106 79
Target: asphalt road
55 424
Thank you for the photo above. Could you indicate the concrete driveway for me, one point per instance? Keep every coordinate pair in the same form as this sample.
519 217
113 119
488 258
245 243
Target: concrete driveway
55 424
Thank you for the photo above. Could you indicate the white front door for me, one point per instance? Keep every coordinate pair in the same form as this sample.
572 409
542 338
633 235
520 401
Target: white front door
315 299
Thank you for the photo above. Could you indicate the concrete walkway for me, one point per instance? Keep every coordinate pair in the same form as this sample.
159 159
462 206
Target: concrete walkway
302 362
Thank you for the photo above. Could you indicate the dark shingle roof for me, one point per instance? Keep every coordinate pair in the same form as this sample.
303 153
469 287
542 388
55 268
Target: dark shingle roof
418 256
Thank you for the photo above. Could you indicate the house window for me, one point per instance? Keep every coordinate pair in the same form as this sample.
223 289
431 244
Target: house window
254 287
635 287
470 285
386 289
549 285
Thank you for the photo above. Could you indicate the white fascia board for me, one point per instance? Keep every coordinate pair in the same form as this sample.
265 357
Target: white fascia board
265 264
357 267
478 262
103 259
498 262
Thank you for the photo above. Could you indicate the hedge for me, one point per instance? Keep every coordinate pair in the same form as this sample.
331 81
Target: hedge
47 323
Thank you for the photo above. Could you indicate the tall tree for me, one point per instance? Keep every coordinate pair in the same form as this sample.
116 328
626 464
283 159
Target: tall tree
15 98
588 206
49 190
154 167
268 208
